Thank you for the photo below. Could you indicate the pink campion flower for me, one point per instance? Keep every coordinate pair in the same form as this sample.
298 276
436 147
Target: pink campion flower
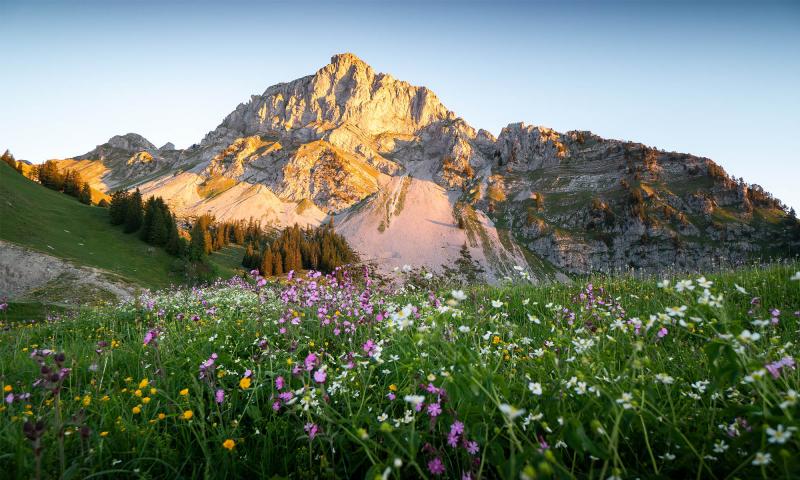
452 439
310 361
472 447
391 396
457 428
276 405
219 396
279 383
369 347
248 373
434 409
320 376
3 306
261 282
312 429
775 368
543 445
435 466
150 337
662 332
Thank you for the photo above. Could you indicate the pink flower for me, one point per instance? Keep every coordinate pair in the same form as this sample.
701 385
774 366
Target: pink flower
310 361
435 466
369 347
472 447
434 409
312 429
457 428
320 376
219 396
276 405
279 383
662 332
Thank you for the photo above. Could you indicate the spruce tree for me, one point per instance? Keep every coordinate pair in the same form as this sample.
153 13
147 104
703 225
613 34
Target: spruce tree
86 194
134 213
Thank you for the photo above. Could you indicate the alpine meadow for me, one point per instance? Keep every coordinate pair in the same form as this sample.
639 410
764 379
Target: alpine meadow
346 279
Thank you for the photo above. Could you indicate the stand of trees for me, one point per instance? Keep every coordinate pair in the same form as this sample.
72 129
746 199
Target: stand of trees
68 181
8 158
152 219
296 249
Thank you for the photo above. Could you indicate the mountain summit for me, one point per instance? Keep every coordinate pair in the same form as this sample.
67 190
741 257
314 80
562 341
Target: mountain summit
409 182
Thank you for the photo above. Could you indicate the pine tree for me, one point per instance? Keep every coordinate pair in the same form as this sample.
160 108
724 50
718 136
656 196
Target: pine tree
85 195
118 207
134 213
197 247
277 263
266 263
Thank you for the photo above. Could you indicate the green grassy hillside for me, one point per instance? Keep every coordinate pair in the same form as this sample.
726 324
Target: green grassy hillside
57 224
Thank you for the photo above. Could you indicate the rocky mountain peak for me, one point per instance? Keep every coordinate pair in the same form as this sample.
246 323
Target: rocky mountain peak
131 142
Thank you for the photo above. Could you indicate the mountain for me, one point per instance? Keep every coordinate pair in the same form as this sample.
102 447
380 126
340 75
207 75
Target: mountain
409 182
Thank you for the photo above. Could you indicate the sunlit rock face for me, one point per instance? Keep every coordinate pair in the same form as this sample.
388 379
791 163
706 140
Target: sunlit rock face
409 182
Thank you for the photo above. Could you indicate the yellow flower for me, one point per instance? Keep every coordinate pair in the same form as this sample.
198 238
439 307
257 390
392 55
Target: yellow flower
289 362
495 340
103 434
145 382
187 415
229 444
220 373
87 400
8 388
185 392
138 393
161 416
244 383
146 400
153 391
393 387
136 410
105 398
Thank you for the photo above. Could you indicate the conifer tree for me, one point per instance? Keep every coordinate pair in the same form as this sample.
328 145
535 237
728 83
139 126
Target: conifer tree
85 195
134 213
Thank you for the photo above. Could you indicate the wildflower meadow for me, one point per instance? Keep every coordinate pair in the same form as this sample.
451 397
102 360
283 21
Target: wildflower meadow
343 376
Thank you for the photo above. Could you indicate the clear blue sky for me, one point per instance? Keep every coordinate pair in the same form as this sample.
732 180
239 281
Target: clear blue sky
718 79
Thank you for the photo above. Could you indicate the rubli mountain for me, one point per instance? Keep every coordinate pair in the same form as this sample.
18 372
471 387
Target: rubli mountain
409 182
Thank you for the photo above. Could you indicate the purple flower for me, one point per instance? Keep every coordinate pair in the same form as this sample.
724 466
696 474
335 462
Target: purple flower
279 383
219 396
320 376
434 409
10 398
435 466
248 373
472 447
310 361
276 405
150 337
457 428
662 332
312 429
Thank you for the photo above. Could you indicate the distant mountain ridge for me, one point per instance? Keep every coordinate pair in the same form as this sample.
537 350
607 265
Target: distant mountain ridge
409 182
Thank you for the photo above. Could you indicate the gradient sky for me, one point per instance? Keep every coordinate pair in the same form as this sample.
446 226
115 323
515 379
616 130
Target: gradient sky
719 79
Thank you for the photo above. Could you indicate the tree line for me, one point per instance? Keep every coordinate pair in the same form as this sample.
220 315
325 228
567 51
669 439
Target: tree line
294 248
69 181
12 162
152 219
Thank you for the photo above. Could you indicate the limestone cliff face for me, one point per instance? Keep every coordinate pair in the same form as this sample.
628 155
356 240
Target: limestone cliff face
361 145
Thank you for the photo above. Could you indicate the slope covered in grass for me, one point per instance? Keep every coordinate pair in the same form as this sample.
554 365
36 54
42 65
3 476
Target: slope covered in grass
323 378
59 225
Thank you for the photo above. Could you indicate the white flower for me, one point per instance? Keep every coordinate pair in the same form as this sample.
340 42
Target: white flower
663 284
533 319
414 400
626 400
684 285
382 417
538 352
740 289
668 456
510 411
795 277
582 344
779 435
535 388
720 446
665 379
402 319
790 399
526 301
762 458
398 463
406 268
497 303
458 295
746 336
676 311
704 283
463 329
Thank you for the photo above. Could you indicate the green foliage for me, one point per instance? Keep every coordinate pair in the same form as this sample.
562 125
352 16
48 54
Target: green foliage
557 381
